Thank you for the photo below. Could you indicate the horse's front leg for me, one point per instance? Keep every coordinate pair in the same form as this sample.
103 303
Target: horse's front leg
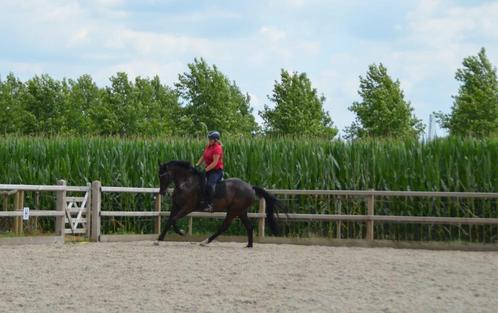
173 217
177 230
168 223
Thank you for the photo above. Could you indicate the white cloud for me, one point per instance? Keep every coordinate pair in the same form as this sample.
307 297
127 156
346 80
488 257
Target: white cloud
22 69
78 38
160 44
441 25
106 3
272 34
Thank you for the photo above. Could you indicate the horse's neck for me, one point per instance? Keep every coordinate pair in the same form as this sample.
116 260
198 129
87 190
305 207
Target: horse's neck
186 182
179 176
180 181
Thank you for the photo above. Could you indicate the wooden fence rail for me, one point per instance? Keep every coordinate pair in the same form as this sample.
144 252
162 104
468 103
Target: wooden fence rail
95 214
369 195
59 213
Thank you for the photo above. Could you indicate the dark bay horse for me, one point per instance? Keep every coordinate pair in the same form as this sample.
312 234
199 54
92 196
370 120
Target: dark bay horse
232 196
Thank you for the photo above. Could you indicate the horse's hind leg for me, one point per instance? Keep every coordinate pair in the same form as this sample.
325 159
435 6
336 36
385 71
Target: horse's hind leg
248 225
228 220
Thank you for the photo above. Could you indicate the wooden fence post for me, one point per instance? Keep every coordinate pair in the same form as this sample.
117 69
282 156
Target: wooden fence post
157 206
339 223
61 204
261 220
21 208
96 199
18 206
370 213
189 226
34 220
5 201
89 211
5 208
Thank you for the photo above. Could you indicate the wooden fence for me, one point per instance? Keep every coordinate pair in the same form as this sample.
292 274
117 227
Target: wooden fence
95 215
18 191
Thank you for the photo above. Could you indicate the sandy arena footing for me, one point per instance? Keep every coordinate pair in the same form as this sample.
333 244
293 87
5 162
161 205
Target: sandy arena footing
226 277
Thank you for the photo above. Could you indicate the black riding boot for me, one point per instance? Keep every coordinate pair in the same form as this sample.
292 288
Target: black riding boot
207 204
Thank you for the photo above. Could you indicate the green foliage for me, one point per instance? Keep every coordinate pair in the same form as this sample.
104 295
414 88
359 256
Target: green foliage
213 101
383 111
82 106
298 109
441 165
45 102
13 117
142 108
475 109
46 106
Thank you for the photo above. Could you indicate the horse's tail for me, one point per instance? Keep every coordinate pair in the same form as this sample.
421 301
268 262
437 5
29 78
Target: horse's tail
271 203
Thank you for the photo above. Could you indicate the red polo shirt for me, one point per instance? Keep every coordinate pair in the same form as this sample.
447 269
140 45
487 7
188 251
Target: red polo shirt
209 153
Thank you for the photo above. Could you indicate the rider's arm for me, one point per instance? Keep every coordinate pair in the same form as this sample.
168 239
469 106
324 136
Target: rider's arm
216 157
200 161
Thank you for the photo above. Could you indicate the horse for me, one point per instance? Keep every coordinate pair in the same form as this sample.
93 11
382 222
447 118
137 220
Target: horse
233 196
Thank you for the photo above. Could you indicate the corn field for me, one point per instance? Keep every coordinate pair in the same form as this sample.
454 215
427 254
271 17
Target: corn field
276 163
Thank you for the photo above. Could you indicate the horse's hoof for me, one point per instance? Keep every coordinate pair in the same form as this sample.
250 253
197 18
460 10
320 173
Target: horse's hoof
156 243
204 243
249 246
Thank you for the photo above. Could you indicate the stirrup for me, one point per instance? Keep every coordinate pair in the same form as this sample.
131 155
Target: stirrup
208 208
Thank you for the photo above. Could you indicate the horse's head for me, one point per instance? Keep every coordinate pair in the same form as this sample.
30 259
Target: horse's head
165 178
177 171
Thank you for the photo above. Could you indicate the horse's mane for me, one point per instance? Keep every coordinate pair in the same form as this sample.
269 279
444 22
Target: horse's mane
185 165
180 163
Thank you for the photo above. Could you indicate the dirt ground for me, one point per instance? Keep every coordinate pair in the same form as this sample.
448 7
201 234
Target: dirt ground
226 277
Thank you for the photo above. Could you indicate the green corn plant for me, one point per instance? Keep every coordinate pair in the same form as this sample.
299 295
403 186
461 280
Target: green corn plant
449 164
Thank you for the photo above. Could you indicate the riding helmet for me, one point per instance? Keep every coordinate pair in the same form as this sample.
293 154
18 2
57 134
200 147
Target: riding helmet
214 135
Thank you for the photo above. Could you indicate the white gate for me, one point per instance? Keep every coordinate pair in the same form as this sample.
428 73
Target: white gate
77 214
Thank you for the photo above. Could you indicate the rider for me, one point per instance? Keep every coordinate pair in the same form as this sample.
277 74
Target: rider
213 159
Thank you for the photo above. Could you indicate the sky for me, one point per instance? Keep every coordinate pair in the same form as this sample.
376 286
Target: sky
421 43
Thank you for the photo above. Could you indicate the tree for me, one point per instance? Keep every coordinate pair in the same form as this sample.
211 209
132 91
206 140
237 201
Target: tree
44 101
383 111
213 102
298 109
475 109
44 105
120 113
82 104
161 107
12 114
